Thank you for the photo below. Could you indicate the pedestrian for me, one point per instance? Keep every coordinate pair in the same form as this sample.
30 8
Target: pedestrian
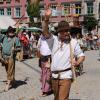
98 43
24 39
31 41
44 63
10 46
60 55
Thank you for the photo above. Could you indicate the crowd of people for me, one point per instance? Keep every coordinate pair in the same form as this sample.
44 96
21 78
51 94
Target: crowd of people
58 55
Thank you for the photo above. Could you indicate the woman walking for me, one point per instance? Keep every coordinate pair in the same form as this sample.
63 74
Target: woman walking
44 63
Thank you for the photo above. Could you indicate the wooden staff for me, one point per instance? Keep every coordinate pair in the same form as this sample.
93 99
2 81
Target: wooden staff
72 67
17 23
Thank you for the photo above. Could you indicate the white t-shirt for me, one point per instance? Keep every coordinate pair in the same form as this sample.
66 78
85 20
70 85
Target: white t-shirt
61 57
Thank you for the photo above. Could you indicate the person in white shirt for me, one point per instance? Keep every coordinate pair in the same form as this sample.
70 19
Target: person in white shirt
31 42
44 64
60 55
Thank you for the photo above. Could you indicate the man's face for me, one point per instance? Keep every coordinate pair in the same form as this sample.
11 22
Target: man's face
64 35
11 34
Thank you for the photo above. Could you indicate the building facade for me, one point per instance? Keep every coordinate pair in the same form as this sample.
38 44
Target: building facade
16 9
72 10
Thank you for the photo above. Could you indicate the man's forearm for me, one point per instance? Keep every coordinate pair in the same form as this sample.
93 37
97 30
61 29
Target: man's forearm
45 23
45 27
80 60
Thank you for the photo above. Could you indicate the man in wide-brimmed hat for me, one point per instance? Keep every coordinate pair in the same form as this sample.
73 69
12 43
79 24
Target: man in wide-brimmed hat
61 60
10 45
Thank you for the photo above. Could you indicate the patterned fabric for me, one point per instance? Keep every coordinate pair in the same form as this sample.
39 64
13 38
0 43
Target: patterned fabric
45 78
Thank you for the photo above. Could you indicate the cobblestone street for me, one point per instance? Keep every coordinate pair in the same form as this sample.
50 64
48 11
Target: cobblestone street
28 87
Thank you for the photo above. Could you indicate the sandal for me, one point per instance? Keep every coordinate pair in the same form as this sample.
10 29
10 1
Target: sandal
44 94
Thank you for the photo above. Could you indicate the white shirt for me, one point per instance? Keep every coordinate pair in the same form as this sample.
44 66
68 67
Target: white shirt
61 57
31 39
43 47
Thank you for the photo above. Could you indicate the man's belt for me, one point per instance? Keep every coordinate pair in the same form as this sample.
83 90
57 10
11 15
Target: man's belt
59 71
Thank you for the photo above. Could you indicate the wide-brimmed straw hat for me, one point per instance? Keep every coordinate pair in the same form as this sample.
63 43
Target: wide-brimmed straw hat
63 26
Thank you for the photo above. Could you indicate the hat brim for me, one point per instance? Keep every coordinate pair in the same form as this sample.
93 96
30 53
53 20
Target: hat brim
63 29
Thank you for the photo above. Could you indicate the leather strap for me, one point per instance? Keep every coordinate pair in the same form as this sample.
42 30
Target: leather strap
57 72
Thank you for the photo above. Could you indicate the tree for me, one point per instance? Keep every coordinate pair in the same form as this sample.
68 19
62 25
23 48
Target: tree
33 2
33 11
89 23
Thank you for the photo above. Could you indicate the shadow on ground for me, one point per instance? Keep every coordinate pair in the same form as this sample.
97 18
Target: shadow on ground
18 83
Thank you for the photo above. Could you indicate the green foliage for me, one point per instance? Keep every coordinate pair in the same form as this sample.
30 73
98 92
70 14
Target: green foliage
89 22
33 11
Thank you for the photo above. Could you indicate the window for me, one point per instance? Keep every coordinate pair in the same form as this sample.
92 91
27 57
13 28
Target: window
90 8
17 12
53 6
41 7
78 8
55 12
9 11
17 1
1 11
66 9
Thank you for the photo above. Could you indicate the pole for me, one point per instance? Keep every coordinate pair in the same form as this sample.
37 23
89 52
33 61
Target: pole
19 20
72 67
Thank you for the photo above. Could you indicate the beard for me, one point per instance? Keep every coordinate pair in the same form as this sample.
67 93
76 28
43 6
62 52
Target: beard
65 39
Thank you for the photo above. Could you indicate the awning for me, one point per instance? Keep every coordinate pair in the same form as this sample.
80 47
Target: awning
33 29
